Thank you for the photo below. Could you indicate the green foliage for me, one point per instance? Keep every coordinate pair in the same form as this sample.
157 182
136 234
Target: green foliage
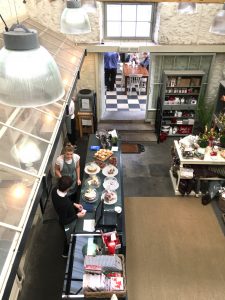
204 113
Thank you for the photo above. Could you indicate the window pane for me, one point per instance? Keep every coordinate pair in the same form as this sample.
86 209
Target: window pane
129 12
128 29
114 29
143 29
144 12
113 12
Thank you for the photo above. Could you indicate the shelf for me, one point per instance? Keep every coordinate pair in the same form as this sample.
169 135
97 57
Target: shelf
169 117
179 106
175 124
183 87
179 84
180 94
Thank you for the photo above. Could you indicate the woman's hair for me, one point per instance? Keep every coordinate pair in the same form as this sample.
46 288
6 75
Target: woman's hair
68 148
64 183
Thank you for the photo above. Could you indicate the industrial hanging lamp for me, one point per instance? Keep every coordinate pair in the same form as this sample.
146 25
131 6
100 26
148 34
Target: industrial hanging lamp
74 19
218 25
186 8
29 76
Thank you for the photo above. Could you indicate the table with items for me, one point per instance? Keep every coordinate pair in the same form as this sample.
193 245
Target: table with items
135 70
204 158
96 262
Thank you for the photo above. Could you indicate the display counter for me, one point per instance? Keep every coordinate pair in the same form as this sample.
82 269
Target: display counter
206 161
74 271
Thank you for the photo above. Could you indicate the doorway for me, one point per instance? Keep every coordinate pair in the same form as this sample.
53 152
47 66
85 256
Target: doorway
126 102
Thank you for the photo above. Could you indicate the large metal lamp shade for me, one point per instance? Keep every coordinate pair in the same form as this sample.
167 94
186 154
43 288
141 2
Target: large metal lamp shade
74 19
29 76
218 25
186 8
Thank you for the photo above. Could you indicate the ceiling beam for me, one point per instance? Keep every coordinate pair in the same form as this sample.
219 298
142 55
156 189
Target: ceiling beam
147 1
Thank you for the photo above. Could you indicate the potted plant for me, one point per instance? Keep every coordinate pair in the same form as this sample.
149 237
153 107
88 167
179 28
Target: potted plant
203 141
207 138
222 139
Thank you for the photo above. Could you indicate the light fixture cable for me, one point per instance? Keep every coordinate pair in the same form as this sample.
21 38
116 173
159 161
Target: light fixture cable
6 27
16 12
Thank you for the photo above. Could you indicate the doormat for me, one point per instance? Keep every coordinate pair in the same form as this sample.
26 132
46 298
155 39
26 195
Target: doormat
132 148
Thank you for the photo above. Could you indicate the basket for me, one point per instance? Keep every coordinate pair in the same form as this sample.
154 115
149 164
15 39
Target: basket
108 294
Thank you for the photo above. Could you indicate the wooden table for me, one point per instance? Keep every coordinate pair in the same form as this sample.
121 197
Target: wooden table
137 70
208 160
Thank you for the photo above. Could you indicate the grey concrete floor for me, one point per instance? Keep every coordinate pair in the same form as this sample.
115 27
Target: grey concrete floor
144 174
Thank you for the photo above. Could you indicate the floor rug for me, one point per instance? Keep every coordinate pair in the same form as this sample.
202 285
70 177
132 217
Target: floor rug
132 148
175 250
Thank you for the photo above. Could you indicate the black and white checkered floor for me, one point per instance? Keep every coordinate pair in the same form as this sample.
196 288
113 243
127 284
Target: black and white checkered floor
119 100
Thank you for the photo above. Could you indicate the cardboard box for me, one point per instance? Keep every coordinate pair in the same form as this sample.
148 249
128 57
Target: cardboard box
184 82
195 81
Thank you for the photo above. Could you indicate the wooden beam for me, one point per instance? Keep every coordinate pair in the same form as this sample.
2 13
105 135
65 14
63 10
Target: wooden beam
147 1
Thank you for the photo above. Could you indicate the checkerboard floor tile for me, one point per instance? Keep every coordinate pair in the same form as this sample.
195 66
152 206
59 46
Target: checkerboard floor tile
119 100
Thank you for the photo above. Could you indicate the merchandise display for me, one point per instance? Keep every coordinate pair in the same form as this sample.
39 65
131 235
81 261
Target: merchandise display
178 101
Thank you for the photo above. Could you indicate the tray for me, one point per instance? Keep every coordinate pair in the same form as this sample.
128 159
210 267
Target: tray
103 154
108 294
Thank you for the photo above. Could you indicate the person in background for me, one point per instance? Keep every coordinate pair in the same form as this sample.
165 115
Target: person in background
68 164
145 61
67 211
71 125
111 60
134 58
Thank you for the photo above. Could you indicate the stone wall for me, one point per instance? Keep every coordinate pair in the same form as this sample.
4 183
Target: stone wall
176 28
87 76
49 14
8 12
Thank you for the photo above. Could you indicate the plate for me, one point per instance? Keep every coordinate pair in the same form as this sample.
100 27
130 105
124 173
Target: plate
92 200
108 169
113 201
92 164
93 181
103 154
110 184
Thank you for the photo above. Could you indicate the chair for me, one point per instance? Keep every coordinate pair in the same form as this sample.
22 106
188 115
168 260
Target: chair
135 82
121 80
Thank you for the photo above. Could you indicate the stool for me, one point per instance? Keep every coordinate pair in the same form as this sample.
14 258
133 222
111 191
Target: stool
85 119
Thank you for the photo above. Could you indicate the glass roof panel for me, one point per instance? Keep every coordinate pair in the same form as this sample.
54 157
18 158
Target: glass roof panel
6 239
26 139
5 112
52 108
51 39
67 77
20 150
40 124
51 47
15 189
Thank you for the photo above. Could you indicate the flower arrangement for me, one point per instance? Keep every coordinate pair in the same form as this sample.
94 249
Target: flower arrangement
207 137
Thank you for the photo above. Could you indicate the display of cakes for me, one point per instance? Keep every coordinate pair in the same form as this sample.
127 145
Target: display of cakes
93 181
91 168
110 197
90 195
103 154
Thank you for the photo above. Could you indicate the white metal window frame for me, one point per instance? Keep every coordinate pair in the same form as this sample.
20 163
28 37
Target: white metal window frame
151 21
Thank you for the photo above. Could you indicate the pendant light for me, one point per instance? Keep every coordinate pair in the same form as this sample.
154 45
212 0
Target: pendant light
218 25
74 19
186 8
29 76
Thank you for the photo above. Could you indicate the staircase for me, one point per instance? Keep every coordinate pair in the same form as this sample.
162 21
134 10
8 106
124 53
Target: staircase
131 130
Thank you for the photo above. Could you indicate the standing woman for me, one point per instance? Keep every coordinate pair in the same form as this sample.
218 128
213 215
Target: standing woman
68 164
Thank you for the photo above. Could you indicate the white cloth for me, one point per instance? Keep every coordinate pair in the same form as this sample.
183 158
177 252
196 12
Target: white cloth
71 109
60 160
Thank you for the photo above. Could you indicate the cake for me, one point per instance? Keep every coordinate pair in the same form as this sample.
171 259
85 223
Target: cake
90 194
92 168
93 181
109 196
